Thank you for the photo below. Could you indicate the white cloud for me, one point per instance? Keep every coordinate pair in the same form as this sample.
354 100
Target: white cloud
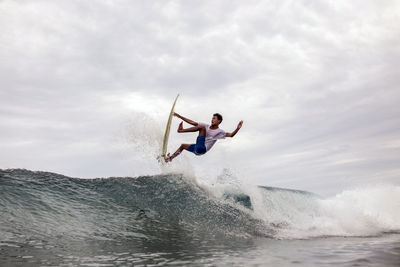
316 83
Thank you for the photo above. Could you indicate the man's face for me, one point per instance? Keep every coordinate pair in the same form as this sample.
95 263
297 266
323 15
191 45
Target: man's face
215 121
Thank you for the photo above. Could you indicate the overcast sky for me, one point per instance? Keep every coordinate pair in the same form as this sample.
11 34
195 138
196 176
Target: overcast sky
86 88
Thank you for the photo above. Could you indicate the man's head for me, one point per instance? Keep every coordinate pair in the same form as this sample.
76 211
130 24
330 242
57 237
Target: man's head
216 119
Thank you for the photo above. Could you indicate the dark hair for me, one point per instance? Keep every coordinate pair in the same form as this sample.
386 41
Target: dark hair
219 116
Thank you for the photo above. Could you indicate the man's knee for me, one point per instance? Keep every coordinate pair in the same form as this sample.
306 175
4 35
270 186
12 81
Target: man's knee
202 130
184 146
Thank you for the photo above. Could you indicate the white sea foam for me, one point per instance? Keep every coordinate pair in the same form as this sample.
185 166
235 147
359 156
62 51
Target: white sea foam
362 211
359 212
366 211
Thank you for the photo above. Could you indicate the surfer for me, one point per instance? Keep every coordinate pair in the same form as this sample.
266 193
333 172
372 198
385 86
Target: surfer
208 135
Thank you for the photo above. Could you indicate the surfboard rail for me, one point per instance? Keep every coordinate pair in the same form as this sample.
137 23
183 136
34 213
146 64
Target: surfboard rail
167 129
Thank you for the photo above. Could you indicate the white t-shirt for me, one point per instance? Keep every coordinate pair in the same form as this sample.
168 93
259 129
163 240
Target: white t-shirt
212 135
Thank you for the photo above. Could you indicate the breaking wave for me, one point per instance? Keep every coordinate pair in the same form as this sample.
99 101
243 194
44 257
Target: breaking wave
56 208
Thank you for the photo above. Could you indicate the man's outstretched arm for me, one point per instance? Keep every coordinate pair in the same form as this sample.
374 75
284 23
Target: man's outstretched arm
232 134
185 119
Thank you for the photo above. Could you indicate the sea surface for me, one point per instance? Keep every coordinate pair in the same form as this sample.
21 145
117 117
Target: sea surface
47 219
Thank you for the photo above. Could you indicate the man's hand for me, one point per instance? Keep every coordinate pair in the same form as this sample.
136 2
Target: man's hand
185 119
232 134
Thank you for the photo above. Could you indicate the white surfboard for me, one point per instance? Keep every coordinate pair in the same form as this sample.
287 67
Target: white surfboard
167 130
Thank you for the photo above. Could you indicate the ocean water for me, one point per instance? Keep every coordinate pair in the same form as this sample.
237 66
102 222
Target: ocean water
48 219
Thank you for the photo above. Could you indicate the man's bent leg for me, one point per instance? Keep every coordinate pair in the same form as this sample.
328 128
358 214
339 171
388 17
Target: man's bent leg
200 129
177 152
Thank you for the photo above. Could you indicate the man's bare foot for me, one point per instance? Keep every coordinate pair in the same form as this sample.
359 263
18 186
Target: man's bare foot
180 127
168 158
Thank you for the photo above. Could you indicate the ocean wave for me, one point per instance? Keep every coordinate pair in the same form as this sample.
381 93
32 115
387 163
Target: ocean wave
49 206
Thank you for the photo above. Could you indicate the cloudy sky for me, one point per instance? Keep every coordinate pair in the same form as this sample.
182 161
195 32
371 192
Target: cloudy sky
86 87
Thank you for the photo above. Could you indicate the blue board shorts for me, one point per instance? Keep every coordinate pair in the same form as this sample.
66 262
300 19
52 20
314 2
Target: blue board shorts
199 148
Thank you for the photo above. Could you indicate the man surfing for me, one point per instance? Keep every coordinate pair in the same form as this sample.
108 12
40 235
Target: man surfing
208 135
